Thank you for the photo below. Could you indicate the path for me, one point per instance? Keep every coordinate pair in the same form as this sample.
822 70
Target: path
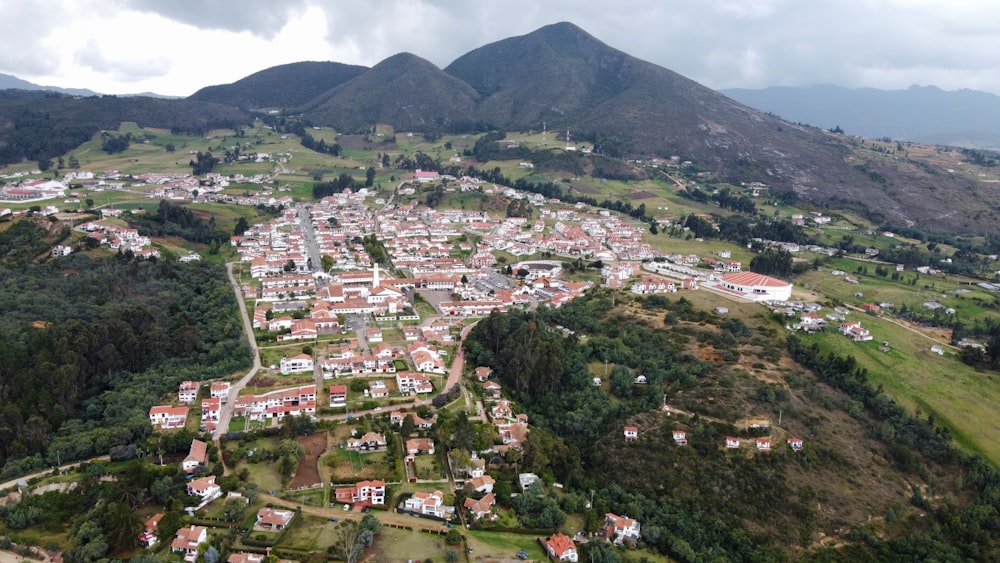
234 390
46 472
391 518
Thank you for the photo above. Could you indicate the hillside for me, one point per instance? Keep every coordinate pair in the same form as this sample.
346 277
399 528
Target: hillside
282 86
36 126
868 481
405 91
964 118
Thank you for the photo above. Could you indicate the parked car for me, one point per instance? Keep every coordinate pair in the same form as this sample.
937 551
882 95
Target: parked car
522 554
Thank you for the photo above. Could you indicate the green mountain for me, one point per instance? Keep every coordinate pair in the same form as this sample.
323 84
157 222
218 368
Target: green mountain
282 86
404 90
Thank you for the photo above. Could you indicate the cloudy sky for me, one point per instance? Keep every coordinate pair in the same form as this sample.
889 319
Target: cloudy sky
175 47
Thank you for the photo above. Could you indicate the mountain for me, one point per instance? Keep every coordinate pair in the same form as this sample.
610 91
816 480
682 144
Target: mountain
403 90
566 79
8 82
927 114
282 86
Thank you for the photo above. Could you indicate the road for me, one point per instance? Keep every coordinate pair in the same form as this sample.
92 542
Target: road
46 472
312 249
234 389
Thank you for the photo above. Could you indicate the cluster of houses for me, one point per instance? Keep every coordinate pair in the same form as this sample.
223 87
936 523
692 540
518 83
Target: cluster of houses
121 239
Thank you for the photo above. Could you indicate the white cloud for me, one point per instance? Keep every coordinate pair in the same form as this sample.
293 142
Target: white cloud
119 46
93 57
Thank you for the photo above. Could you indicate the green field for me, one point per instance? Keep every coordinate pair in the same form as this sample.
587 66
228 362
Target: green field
959 397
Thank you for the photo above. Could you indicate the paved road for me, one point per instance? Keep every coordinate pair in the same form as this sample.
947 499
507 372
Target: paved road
234 389
312 249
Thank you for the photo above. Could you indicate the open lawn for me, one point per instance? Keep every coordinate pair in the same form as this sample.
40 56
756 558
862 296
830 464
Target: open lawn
348 466
392 544
307 531
503 545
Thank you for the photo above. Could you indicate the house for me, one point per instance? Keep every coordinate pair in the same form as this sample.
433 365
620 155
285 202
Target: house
246 558
377 389
764 443
732 442
680 437
188 392
296 364
220 390
197 456
417 446
854 331
491 388
167 417
631 433
526 480
396 418
430 504
370 441
482 484
338 396
149 536
795 443
211 410
204 487
413 382
273 518
483 373
187 541
561 548
370 492
621 528
480 508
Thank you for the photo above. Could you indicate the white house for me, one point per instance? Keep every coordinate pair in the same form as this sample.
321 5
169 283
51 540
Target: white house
561 548
431 504
622 528
296 364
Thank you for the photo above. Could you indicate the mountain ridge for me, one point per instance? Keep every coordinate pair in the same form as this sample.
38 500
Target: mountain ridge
924 114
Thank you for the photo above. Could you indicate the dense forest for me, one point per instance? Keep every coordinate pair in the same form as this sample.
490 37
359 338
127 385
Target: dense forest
97 343
703 503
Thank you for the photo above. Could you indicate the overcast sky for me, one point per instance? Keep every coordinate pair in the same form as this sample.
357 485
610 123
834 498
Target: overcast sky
175 47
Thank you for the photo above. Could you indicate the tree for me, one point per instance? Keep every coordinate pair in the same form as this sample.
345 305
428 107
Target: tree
170 147
45 164
454 537
241 226
211 555
370 177
234 509
73 162
122 526
327 262
288 457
